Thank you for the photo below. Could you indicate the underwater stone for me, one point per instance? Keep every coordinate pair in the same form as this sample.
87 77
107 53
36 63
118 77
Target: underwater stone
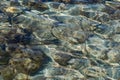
79 64
22 76
14 3
62 58
112 56
8 73
67 32
116 37
57 5
64 73
95 46
113 72
3 17
95 71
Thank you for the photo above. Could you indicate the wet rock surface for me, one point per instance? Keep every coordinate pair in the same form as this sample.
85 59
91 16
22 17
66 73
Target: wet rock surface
59 39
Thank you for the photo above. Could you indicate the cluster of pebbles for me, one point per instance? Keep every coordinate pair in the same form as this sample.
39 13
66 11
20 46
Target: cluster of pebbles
59 39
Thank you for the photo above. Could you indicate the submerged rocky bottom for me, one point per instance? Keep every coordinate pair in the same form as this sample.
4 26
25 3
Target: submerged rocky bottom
60 40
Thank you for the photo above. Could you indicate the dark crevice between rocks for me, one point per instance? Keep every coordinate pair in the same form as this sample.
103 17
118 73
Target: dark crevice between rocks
54 41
